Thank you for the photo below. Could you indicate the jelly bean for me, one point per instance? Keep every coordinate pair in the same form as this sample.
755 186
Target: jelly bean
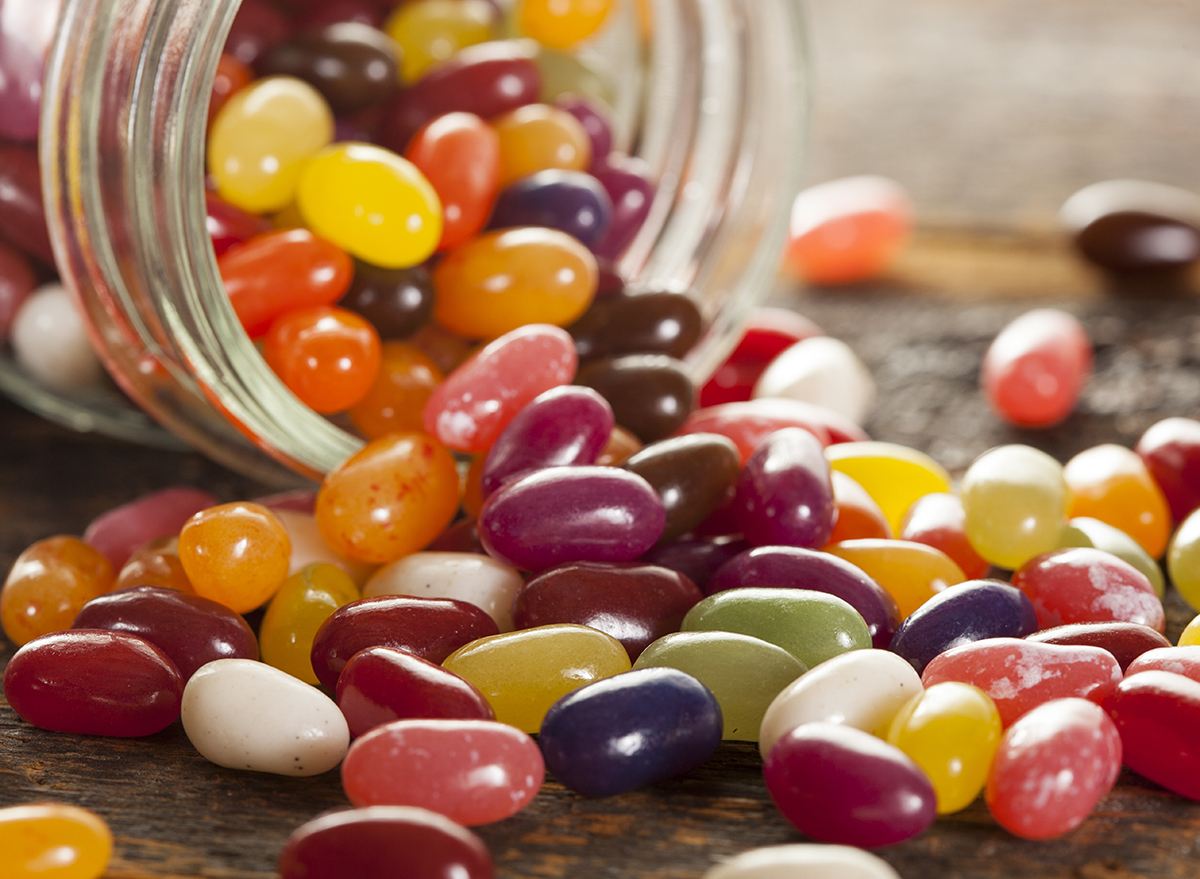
236 554
768 333
389 499
1086 531
431 628
379 685
243 714
1190 633
627 181
838 784
911 573
50 342
537 137
352 65
651 394
397 302
54 841
476 579
259 142
952 731
403 385
462 536
120 531
1125 641
937 519
369 843
232 76
309 547
621 446
1019 675
1134 225
799 568
743 672
564 426
156 564
1088 585
1170 449
594 117
630 730
1052 767
295 613
256 28
25 37
228 225
635 603
966 612
1156 713
862 688
189 629
459 154
697 558
93 682
1111 483
570 201
575 73
523 673
803 859
48 584
1036 367
784 495
320 15
270 274
17 281
328 357
692 474
748 423
1184 660
858 516
1015 500
22 213
487 79
894 475
1183 559
431 31
824 371
471 771
812 626
848 230
299 500
649 322
561 25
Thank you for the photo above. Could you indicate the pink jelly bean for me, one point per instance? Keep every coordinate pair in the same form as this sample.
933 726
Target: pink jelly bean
1052 768
131 526
1087 585
937 519
1157 714
768 333
749 422
1183 660
627 182
1035 368
1170 450
468 411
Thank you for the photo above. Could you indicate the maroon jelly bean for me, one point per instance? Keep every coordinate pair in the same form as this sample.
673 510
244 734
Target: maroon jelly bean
1125 641
1171 451
122 530
697 558
651 394
380 684
595 122
692 474
22 214
352 65
785 494
650 322
228 225
431 628
17 280
94 682
838 784
1157 714
334 11
627 181
369 844
635 603
571 514
462 536
563 426
190 629
257 28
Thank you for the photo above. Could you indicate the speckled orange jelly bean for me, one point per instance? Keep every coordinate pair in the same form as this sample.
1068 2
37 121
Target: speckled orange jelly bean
48 584
236 554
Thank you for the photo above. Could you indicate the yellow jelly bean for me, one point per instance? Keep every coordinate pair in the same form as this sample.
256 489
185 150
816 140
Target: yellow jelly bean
53 841
1191 634
260 139
1183 559
1111 483
562 23
537 137
372 203
892 474
235 554
303 603
912 573
429 31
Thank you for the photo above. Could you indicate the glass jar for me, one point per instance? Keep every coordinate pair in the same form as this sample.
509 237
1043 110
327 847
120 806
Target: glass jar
711 94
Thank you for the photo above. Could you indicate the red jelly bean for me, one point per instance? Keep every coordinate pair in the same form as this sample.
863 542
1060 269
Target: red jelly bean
768 333
749 423
328 357
228 225
471 771
1171 451
94 682
1086 585
938 520
1125 641
129 527
1183 660
1052 768
1157 714
22 214
17 281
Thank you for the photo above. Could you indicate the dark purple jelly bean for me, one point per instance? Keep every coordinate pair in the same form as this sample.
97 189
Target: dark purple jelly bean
627 181
563 426
838 784
630 730
570 201
697 558
1125 641
370 843
190 629
397 302
381 684
785 494
649 322
22 214
431 628
693 475
486 79
635 603
798 568
595 122
257 28
1135 225
571 514
462 536
651 394
352 65
94 682
964 613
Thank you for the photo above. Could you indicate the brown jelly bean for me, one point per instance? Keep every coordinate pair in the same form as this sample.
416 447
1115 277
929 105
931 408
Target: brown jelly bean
398 302
659 322
651 394
1134 225
353 65
692 474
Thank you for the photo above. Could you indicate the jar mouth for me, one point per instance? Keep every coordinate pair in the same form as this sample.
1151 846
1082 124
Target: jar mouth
712 95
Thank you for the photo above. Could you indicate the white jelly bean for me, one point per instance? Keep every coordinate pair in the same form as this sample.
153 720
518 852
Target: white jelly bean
309 547
476 579
821 370
244 714
804 861
863 689
50 343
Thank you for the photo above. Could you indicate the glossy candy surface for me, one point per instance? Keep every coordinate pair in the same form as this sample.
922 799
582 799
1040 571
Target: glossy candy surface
1125 641
858 516
629 187
397 302
651 394
1182 660
1156 713
119 532
697 558
937 519
309 547
894 475
297 611
235 554
821 370
692 474
768 332
352 65
810 860
156 564
328 357
1170 450
397 397
539 137
467 576
16 282
784 495
644 322
433 30
50 343
53 841
48 584
1086 531
570 201
912 573
1086 585
22 213
1130 225
1183 559
1111 483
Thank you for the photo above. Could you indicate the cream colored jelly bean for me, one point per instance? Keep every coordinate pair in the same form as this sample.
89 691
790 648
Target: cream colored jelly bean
804 861
476 579
821 370
309 547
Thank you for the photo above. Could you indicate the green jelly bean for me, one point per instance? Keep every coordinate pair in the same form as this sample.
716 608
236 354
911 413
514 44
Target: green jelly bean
1086 531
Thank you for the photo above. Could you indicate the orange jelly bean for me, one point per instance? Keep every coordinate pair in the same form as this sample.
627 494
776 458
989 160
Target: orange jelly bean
156 564
511 277
621 446
48 584
406 378
858 516
389 499
536 137
235 554
912 573
53 841
328 357
561 24
1112 483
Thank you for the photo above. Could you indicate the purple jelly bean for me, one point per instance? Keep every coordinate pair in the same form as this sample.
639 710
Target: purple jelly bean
571 514
628 184
595 122
563 426
785 493
570 201
122 530
26 30
697 558
838 784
